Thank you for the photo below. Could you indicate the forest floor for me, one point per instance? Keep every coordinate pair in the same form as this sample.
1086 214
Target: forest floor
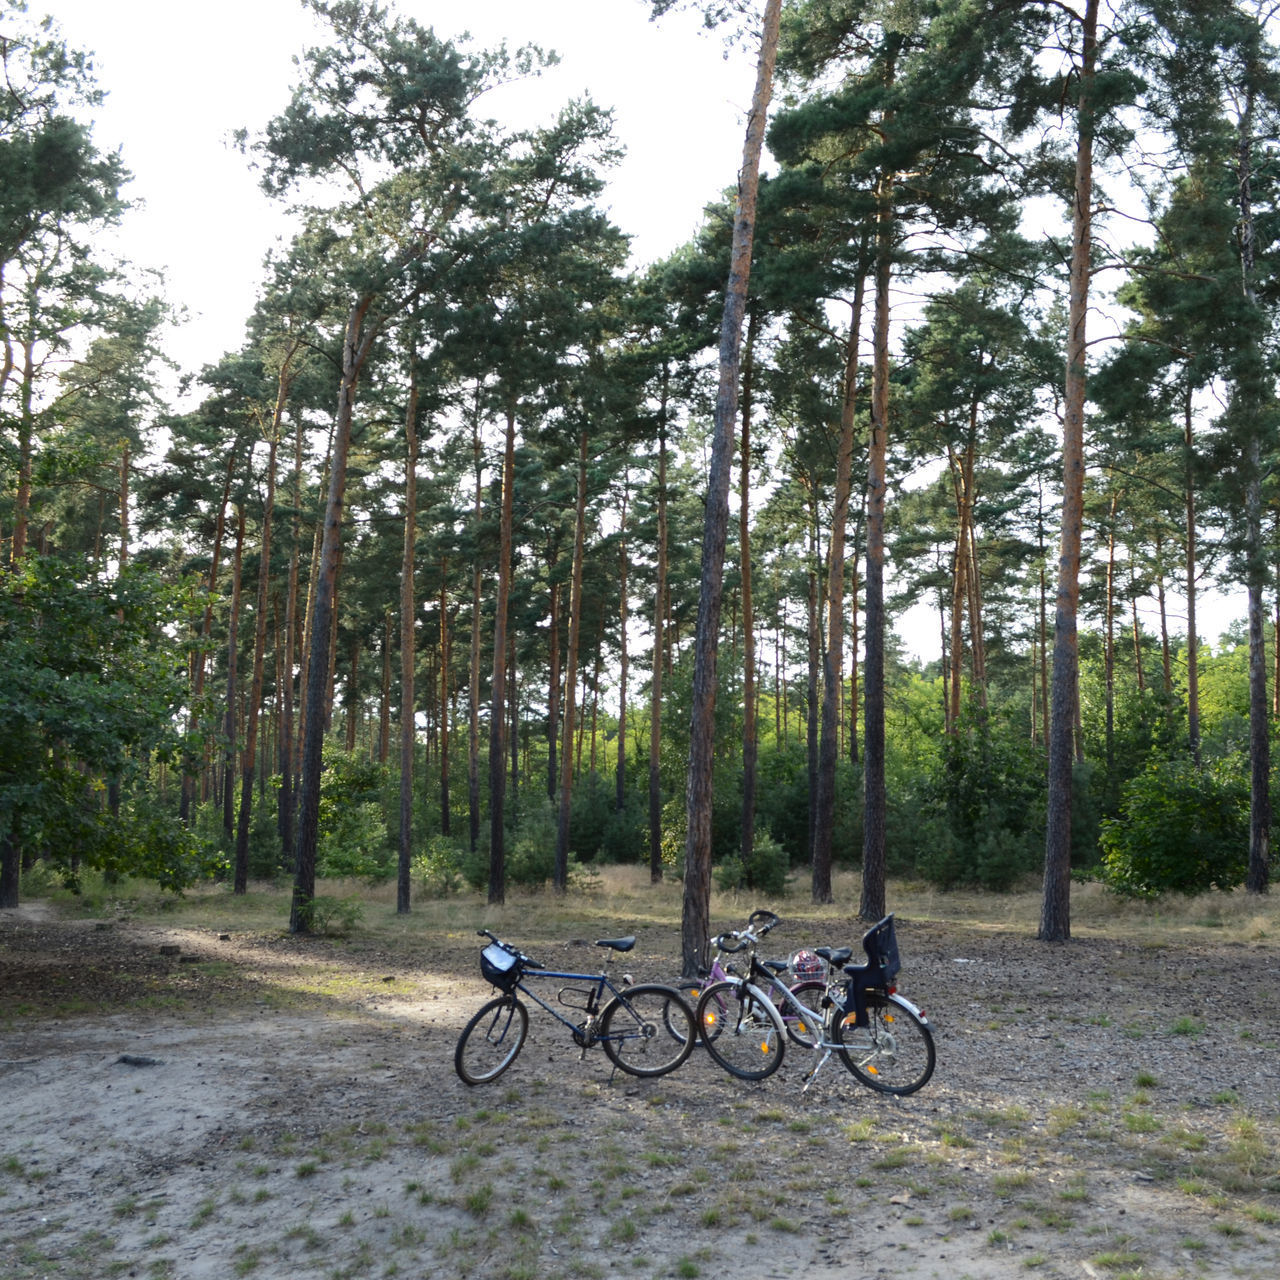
191 1100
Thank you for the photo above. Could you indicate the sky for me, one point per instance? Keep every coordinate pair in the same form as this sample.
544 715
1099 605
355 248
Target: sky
180 79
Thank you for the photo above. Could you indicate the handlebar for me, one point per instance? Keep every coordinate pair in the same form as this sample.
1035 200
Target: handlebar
758 924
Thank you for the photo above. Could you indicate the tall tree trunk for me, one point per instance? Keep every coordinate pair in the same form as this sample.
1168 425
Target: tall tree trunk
473 666
832 664
1055 911
695 925
1258 877
620 772
561 877
497 717
1109 643
872 905
230 719
446 651
408 643
813 671
249 758
750 743
659 614
553 693
285 806
357 340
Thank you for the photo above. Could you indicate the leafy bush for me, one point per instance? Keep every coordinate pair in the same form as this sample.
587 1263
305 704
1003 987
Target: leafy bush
331 917
765 871
438 867
353 837
1180 829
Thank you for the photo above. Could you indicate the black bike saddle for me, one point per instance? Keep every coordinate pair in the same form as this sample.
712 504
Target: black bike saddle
618 944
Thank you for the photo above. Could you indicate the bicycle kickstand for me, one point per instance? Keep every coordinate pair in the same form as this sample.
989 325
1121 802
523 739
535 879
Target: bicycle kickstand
813 1074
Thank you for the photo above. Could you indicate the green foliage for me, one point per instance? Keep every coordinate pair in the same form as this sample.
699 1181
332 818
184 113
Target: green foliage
354 839
765 871
438 867
1180 829
331 917
91 691
989 791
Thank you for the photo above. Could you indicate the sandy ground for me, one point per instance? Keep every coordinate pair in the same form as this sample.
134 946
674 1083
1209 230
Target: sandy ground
1098 1110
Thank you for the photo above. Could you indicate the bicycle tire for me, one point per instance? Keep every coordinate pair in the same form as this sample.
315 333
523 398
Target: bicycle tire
742 1030
491 1041
635 1030
691 990
806 1031
893 1054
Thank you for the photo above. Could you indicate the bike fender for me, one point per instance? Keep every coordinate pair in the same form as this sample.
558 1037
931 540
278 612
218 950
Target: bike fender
901 999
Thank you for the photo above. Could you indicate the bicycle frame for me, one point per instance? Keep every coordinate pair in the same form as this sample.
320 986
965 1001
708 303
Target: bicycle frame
646 1029
584 1034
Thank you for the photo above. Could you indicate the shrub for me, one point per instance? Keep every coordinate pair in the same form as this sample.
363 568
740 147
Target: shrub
438 867
1180 829
331 917
764 872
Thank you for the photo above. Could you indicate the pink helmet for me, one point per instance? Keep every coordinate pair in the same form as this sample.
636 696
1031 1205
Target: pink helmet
804 964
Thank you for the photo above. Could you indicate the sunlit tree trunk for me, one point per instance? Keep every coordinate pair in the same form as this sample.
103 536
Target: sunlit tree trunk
696 913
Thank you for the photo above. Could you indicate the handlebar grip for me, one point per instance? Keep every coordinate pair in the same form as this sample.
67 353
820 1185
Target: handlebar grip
766 919
728 942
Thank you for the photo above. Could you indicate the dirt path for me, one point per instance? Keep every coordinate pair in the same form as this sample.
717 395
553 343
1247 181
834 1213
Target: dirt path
1098 1110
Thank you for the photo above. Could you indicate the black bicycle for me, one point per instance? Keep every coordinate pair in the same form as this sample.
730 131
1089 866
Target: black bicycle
646 1029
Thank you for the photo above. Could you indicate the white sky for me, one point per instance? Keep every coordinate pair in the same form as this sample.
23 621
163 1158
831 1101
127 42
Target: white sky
180 78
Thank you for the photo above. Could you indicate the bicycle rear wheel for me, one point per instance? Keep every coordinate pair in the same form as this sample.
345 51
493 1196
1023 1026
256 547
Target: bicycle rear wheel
742 1030
894 1053
490 1042
691 990
804 1025
648 1030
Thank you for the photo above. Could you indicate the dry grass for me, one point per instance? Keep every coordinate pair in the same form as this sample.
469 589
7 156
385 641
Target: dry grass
621 897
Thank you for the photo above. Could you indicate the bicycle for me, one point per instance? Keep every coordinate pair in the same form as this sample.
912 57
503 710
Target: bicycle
881 1037
632 1026
800 999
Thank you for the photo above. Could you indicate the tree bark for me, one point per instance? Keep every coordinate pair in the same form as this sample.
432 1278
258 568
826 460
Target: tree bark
1055 911
230 719
408 644
872 905
659 615
575 635
832 664
750 743
497 716
357 340
249 758
696 913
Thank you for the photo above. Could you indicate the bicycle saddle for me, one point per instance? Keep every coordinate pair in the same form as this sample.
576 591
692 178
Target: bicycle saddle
834 955
618 944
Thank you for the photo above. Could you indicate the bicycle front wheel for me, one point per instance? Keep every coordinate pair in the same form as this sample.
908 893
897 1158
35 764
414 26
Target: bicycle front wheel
894 1053
803 1018
742 1030
490 1042
648 1030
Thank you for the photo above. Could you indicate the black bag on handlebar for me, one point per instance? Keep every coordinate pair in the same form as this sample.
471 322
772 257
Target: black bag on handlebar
500 966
